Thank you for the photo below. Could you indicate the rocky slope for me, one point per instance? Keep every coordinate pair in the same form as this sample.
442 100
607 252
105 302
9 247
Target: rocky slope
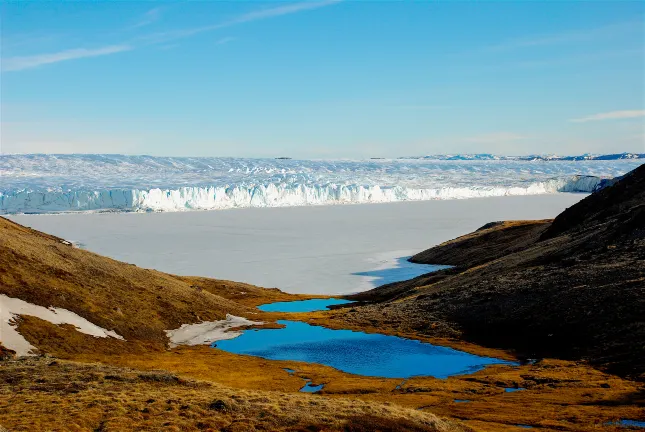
574 289
492 241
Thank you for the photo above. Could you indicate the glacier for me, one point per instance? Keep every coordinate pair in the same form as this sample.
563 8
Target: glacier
71 183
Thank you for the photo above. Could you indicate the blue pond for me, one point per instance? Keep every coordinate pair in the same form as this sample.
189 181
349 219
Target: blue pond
302 305
633 423
312 388
356 352
402 270
513 389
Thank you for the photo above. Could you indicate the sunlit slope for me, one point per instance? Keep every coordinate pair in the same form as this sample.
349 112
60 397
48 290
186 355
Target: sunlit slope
138 304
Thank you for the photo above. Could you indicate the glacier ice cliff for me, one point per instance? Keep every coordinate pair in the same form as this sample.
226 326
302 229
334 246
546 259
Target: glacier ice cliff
64 183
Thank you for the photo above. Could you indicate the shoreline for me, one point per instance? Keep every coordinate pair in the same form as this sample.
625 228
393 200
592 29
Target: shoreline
324 248
286 206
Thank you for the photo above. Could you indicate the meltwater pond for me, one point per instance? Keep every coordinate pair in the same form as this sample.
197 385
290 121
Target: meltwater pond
302 305
356 352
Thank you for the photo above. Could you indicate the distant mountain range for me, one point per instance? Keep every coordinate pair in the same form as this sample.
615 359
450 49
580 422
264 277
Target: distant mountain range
487 156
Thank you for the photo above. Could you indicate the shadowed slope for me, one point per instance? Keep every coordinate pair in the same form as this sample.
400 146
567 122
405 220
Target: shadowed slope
623 203
577 293
490 242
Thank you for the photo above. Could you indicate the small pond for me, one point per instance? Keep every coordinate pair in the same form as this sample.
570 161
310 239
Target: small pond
397 270
311 388
311 305
355 352
629 423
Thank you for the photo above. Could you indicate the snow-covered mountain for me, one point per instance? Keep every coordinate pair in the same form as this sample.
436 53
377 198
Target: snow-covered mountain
487 157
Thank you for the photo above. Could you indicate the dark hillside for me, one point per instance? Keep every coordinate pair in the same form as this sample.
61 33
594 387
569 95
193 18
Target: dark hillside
488 243
577 293
623 203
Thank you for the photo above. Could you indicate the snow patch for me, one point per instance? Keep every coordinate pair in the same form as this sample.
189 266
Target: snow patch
208 332
11 307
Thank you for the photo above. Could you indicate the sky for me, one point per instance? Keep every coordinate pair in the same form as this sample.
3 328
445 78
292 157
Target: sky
322 79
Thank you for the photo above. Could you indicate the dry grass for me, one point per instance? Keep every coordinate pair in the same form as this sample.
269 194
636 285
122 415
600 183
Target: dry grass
244 294
559 395
55 395
199 388
497 226
138 304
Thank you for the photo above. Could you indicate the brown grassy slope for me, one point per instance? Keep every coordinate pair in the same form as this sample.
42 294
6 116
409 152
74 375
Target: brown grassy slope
137 303
577 293
559 395
244 294
55 395
485 244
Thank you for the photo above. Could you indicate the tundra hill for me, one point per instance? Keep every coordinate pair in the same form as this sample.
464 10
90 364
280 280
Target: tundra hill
492 241
38 394
42 393
572 289
136 303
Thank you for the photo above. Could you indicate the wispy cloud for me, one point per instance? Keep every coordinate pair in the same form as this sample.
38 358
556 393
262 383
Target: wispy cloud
598 56
257 15
280 10
28 62
585 35
22 40
496 137
150 17
613 115
225 40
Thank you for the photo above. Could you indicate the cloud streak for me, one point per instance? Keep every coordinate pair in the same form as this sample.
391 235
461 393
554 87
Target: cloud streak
29 62
257 15
280 10
587 35
613 115
150 17
224 40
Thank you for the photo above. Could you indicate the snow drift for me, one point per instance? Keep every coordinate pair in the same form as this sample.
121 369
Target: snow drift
10 308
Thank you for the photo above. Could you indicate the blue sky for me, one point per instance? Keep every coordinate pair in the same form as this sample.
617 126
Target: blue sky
322 79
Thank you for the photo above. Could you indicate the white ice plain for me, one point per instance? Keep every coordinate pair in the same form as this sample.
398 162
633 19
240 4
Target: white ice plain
64 183
11 307
208 332
319 250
